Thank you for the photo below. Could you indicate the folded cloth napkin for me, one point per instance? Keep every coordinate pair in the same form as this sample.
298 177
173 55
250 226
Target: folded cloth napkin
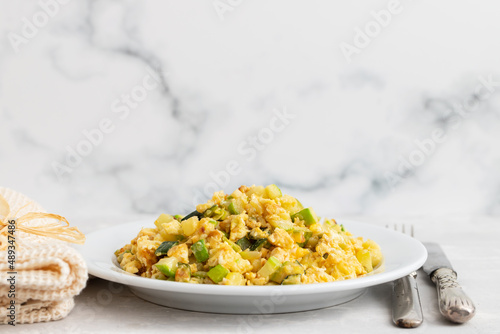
48 272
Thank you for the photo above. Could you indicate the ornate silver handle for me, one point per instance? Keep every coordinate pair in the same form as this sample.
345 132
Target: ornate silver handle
454 304
406 307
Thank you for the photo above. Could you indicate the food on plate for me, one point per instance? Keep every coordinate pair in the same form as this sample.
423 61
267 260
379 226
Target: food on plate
255 236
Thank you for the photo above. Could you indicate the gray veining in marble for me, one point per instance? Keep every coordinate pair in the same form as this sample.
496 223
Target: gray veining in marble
186 102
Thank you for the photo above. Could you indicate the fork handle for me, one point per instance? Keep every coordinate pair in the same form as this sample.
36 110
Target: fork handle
406 307
454 304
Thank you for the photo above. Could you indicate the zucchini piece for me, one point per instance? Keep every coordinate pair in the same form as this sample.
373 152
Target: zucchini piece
210 211
200 250
307 215
270 267
193 214
250 255
167 266
257 246
365 258
272 191
165 247
216 213
183 273
292 279
199 274
234 246
217 273
162 277
283 224
244 243
178 217
119 258
313 241
234 208
222 215
288 268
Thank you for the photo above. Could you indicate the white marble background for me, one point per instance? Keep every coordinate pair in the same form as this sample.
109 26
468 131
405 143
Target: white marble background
182 91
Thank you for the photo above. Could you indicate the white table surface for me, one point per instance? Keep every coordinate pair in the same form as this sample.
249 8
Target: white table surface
471 244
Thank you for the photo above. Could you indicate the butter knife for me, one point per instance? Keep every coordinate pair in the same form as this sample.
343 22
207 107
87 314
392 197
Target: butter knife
406 306
454 304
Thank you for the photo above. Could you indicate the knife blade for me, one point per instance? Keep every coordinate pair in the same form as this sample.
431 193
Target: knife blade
406 307
454 304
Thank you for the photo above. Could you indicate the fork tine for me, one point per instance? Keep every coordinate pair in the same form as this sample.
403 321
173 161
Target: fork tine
402 228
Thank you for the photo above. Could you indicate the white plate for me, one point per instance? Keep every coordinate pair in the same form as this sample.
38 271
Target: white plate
402 255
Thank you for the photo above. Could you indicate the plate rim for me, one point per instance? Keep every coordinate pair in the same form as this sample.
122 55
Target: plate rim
117 275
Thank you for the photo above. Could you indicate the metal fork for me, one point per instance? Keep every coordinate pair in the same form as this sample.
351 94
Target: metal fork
406 307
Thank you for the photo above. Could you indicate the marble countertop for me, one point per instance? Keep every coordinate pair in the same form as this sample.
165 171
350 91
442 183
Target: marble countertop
470 242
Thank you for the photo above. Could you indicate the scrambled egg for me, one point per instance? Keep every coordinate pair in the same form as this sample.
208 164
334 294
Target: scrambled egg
255 236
